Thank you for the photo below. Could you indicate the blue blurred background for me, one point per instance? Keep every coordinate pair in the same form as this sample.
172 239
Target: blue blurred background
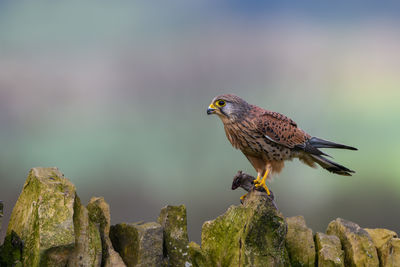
114 93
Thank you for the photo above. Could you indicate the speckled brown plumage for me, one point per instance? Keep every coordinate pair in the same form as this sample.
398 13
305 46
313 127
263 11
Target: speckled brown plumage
269 138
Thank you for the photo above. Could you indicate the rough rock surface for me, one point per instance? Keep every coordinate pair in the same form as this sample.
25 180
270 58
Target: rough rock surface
300 242
388 245
99 214
357 243
176 240
139 244
50 227
252 234
11 251
87 250
43 216
196 255
329 250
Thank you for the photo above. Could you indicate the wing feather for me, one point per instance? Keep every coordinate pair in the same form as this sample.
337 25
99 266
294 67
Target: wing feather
280 129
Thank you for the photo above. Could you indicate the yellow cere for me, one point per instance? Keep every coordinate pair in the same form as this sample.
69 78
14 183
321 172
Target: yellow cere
212 106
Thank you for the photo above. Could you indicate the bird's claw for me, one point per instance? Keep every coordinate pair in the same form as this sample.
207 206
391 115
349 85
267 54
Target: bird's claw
259 184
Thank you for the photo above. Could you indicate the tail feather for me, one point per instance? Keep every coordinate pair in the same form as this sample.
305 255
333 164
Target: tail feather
314 155
321 143
331 166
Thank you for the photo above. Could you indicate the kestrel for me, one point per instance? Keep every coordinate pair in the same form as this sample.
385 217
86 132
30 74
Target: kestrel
268 138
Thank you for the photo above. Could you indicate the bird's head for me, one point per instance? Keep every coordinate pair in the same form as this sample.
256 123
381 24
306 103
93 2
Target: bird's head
228 107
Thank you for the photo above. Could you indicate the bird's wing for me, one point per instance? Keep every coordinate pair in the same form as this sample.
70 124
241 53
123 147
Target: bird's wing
280 129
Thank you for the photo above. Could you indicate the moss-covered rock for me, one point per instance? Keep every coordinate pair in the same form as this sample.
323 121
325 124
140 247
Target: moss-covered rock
196 255
329 250
300 242
139 244
391 253
252 234
388 245
176 240
357 244
99 214
87 250
11 250
43 215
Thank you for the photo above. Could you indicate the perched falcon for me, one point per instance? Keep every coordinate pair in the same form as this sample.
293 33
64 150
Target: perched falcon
269 138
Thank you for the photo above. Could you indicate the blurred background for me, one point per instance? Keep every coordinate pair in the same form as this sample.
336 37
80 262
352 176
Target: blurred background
114 93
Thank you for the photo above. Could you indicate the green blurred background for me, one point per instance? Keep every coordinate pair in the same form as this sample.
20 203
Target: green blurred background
115 93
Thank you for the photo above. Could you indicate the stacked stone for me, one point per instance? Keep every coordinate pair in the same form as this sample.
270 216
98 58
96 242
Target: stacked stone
50 227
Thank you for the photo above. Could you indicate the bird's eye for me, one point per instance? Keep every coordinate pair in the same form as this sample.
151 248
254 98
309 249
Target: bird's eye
221 103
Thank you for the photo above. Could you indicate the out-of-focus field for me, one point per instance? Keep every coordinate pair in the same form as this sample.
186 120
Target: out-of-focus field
115 95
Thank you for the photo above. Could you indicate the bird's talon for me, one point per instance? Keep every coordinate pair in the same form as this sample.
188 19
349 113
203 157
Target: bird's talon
267 190
259 185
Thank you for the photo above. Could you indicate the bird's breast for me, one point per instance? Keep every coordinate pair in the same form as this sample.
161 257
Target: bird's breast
242 137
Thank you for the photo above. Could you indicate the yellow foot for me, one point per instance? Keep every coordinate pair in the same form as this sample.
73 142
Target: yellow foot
243 197
258 183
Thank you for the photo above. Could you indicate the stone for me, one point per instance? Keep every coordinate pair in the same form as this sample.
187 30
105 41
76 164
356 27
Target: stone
387 244
329 250
391 253
87 250
11 250
176 240
56 257
43 216
300 242
196 255
357 243
139 244
252 234
99 214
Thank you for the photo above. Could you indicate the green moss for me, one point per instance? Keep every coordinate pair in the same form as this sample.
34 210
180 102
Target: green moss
176 241
196 255
252 234
97 214
42 216
300 242
125 240
87 251
11 251
139 244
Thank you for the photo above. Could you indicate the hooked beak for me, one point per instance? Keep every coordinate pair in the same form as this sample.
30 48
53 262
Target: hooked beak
211 109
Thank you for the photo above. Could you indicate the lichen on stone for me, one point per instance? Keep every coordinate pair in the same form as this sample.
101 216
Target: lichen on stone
300 242
87 250
387 244
329 250
174 222
139 244
252 234
357 243
42 216
99 214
